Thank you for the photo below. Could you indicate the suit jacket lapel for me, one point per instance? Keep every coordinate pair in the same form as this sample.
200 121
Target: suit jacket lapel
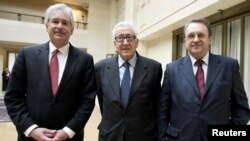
43 64
139 73
187 70
214 65
113 76
71 63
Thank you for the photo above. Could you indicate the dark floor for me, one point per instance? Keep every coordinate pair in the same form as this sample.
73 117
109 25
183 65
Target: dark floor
3 113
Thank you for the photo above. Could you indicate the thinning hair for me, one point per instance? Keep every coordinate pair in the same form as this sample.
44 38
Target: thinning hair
59 6
123 24
202 21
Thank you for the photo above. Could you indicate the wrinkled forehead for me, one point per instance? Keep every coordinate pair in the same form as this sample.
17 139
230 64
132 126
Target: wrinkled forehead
124 30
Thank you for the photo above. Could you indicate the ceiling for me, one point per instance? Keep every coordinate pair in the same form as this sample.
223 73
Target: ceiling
82 3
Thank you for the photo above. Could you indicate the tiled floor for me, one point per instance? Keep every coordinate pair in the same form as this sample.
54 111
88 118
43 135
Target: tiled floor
8 131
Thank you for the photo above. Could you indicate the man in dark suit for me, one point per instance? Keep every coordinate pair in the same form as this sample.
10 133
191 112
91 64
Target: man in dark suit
128 114
189 106
59 112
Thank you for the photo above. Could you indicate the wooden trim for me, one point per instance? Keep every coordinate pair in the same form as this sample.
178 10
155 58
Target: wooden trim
229 13
222 17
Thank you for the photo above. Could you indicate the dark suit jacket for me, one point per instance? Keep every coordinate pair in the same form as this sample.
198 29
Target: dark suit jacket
184 117
138 120
29 97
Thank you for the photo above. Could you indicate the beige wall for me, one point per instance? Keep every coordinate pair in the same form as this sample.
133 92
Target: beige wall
160 49
34 7
37 8
25 32
157 19
32 33
96 39
154 19
99 32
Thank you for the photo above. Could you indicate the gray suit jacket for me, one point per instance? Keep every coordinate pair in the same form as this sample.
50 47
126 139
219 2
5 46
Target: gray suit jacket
139 119
184 117
29 97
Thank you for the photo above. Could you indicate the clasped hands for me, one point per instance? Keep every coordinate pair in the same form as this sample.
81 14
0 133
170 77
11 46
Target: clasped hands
44 134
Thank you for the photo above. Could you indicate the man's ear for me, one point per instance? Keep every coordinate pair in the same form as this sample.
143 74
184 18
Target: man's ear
72 30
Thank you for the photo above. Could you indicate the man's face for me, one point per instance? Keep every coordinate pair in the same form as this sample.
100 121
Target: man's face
197 40
125 42
59 28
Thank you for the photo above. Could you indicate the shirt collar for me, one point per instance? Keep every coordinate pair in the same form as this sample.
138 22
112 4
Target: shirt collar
205 59
63 50
132 61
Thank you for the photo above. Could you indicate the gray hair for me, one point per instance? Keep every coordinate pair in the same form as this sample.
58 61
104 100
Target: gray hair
122 24
202 21
62 7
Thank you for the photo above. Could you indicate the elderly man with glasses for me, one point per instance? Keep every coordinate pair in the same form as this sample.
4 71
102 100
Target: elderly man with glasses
128 90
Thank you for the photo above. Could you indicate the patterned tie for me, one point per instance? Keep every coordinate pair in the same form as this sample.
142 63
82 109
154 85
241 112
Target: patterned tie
125 86
54 71
200 78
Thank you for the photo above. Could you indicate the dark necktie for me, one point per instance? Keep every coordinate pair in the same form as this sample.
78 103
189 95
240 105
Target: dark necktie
125 86
54 71
200 78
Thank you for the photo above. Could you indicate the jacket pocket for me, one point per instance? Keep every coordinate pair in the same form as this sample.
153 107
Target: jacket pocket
103 131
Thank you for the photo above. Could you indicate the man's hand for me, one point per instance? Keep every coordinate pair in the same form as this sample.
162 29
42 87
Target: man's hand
60 135
42 134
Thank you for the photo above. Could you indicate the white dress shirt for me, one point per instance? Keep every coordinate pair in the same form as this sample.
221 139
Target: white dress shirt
204 65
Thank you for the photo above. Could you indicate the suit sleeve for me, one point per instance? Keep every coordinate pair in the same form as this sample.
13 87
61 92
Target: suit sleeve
98 84
239 101
164 106
15 95
87 99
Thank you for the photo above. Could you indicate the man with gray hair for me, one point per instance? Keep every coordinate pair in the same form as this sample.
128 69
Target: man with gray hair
128 87
51 93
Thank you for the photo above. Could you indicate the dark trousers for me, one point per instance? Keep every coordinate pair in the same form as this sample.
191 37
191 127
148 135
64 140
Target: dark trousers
5 84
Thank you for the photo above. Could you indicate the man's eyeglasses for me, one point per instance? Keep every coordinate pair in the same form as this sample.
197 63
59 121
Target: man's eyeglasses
122 38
